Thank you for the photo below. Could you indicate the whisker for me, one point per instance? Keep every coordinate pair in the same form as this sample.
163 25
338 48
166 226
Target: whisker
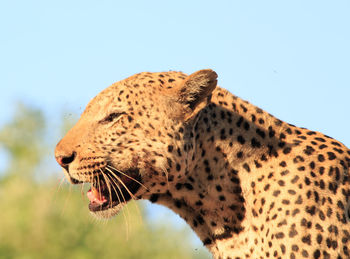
164 169
120 180
110 168
161 167
166 174
116 184
99 186
132 196
113 183
57 187
66 201
113 168
107 180
110 183
63 178
107 184
82 191
120 190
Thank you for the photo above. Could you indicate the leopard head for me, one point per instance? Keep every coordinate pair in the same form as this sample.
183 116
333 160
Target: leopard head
135 137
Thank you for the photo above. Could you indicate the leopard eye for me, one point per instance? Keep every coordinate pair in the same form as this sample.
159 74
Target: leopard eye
111 117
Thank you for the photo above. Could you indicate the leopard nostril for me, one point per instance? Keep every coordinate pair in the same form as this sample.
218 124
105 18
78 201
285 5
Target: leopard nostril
64 161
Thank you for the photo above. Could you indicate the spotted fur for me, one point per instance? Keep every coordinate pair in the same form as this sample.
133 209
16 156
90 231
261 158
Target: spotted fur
249 184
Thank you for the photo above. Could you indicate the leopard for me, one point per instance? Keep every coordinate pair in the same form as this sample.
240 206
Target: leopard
249 184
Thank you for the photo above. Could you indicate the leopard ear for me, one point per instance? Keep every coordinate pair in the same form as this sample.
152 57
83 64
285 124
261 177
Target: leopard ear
197 87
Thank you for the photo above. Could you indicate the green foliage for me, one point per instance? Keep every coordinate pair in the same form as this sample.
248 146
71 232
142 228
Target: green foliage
22 138
47 219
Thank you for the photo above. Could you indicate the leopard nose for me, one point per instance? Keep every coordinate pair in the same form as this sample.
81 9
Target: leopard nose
65 160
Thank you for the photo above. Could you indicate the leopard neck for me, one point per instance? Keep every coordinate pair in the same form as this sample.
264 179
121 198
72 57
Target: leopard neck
231 138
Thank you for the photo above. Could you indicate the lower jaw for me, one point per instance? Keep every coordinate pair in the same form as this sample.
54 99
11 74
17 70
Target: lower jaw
96 207
107 212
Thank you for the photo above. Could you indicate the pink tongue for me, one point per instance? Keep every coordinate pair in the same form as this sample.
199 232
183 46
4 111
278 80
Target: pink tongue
95 197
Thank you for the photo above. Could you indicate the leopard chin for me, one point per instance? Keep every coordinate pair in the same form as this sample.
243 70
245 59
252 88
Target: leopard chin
108 213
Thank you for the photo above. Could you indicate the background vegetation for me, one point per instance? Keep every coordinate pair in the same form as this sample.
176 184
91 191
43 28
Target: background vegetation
44 217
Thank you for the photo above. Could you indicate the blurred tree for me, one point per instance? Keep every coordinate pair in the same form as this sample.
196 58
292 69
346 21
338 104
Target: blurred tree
44 219
22 138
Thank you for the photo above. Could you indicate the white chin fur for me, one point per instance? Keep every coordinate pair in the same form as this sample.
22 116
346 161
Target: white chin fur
108 213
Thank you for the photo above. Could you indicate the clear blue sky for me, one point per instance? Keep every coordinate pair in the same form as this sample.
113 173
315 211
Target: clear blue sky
291 58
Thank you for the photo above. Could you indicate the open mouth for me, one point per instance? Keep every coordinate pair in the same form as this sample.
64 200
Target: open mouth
110 188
